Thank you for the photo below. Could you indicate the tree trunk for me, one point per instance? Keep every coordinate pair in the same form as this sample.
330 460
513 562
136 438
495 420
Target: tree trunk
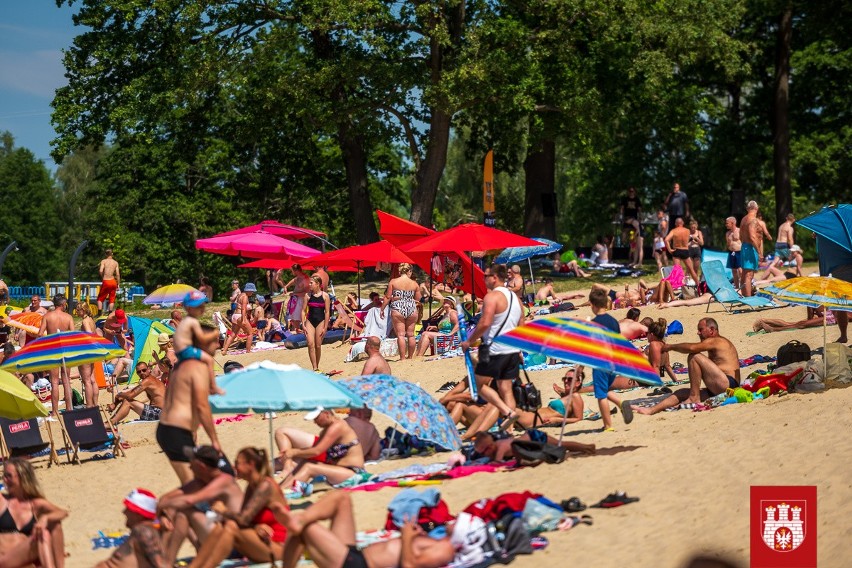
780 122
737 208
355 162
540 195
431 169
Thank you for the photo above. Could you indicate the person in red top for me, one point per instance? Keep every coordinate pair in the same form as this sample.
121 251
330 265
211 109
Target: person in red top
253 531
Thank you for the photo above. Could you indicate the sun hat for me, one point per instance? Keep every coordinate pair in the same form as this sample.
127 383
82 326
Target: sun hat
451 300
163 338
194 299
250 287
120 316
142 502
312 415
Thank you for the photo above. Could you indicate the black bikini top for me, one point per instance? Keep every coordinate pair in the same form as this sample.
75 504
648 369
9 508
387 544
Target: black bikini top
7 524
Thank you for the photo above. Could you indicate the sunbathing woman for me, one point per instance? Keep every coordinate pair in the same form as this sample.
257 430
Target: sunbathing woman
447 325
630 326
565 409
656 339
30 525
701 300
336 453
254 532
814 319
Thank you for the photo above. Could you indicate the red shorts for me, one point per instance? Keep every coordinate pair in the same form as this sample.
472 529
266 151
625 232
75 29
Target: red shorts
108 288
321 458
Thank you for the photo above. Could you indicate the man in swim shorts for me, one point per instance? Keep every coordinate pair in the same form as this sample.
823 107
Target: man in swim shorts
126 401
719 370
186 408
677 243
751 234
110 276
735 245
785 248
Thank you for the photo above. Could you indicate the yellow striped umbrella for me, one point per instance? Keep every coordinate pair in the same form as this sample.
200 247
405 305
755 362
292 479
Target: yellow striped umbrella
17 402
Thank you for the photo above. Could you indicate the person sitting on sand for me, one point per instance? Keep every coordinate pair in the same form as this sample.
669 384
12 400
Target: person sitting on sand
656 341
448 325
213 488
336 453
572 267
568 409
502 449
814 319
375 364
144 546
719 370
30 525
462 409
618 299
773 274
254 531
153 388
630 326
334 546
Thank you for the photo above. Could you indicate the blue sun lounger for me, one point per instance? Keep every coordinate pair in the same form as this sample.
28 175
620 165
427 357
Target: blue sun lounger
725 293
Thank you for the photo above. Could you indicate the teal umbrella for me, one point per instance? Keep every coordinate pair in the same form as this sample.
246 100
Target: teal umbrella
271 387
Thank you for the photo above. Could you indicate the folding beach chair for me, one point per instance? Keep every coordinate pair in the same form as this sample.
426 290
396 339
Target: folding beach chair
353 323
725 293
23 437
86 428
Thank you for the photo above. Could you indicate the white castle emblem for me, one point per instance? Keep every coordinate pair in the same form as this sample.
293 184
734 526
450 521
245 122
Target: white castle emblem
786 531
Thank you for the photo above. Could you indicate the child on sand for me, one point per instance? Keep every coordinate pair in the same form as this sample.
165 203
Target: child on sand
189 335
602 380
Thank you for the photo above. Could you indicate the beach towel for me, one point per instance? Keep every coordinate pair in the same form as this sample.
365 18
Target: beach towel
676 277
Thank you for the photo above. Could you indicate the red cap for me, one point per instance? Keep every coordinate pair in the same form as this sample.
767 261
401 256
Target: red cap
120 316
142 502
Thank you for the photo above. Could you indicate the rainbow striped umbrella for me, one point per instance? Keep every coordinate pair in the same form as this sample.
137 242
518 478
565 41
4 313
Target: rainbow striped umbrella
63 349
582 342
171 294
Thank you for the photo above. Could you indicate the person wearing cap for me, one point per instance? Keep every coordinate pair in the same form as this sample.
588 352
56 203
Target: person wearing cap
114 327
125 401
165 349
143 547
193 505
334 546
110 276
253 531
336 452
296 305
57 321
30 525
241 318
189 336
447 325
375 364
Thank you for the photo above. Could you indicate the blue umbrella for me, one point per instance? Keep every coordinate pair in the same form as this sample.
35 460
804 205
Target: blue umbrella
270 387
409 406
517 254
834 223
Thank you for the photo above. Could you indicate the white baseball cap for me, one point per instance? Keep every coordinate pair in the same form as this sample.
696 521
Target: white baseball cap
312 415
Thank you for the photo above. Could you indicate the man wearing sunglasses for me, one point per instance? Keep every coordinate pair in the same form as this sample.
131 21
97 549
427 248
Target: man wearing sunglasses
125 401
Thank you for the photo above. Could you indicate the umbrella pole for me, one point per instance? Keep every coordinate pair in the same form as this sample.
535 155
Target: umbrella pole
824 344
532 276
358 267
431 278
271 443
565 406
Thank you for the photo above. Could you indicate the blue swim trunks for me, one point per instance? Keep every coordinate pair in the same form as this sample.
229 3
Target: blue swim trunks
749 257
602 382
782 250
734 260
190 352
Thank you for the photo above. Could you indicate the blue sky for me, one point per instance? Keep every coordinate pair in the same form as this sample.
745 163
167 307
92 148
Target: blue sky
32 36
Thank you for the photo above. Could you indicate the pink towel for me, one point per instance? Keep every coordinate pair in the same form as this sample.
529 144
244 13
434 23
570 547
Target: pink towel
676 277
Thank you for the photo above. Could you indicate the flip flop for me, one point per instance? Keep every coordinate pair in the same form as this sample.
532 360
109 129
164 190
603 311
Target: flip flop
626 411
660 390
616 499
573 505
569 523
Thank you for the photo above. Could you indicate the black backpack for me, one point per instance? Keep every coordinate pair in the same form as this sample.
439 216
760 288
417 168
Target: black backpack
527 395
793 352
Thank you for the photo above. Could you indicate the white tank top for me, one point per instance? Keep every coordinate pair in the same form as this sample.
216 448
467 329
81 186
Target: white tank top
512 317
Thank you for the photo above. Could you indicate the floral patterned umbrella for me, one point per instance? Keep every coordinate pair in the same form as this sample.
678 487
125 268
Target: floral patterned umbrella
409 406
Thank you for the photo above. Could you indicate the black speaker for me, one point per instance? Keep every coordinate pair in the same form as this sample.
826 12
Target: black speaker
548 205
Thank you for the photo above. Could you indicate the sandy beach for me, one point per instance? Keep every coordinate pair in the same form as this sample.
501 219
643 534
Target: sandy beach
691 470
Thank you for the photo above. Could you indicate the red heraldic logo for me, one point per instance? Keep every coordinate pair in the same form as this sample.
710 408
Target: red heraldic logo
783 527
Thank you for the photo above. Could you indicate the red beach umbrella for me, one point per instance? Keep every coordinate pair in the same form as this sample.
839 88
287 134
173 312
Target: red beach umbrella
276 228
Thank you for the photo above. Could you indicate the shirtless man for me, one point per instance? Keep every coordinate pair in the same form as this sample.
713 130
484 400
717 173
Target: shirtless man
114 326
54 322
143 548
296 305
35 307
241 318
186 408
153 388
677 243
751 235
732 239
213 488
515 282
323 276
785 248
719 370
334 546
375 363
110 276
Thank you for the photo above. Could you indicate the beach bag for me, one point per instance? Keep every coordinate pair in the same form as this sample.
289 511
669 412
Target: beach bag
528 452
429 517
562 307
792 352
674 328
837 364
527 395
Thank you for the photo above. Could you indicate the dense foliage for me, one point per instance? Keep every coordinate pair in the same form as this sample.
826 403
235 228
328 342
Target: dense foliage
183 118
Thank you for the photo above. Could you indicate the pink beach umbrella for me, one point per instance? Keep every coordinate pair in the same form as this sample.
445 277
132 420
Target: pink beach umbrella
277 229
258 244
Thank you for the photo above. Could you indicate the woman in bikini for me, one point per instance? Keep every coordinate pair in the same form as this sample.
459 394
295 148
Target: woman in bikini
448 324
30 525
336 453
253 531
315 317
656 340
87 372
403 294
